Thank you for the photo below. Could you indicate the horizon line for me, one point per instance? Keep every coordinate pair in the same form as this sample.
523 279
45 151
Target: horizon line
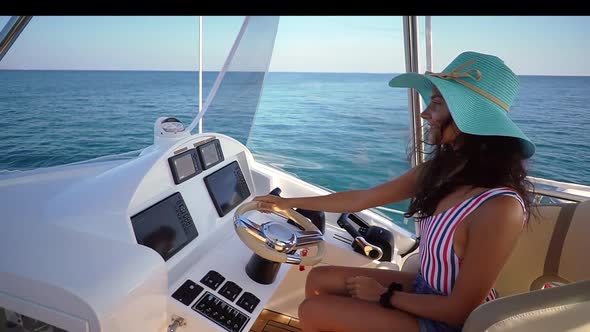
278 72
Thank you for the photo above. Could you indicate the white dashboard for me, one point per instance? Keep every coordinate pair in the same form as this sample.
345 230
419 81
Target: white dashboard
128 246
207 179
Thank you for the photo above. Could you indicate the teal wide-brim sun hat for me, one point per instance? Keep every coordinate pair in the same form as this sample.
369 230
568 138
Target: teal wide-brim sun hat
479 90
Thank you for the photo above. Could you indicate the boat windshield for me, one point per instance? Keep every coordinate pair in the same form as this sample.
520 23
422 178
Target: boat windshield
3 21
70 99
234 90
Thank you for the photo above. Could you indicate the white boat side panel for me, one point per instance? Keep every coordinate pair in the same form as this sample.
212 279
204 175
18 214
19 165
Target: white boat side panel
55 318
264 183
24 195
83 276
98 204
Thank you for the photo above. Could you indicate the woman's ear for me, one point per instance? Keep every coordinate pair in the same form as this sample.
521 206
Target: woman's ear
450 133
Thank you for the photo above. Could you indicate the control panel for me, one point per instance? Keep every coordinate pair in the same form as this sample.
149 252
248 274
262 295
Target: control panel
217 303
220 312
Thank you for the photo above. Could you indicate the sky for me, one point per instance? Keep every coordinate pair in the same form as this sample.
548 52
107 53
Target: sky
530 45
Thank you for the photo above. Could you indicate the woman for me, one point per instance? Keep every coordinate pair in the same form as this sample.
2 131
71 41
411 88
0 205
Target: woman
469 198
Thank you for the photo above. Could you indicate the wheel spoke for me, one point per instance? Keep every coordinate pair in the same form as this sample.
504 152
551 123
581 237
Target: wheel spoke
307 238
251 227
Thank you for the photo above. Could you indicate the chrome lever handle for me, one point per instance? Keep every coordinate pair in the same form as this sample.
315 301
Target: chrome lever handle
370 250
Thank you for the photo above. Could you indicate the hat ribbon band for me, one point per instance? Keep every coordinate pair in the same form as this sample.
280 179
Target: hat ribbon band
473 74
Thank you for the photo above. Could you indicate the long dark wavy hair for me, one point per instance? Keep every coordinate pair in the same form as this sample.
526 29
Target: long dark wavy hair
477 161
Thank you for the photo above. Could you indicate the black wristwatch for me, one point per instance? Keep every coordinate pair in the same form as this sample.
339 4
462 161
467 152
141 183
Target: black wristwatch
385 299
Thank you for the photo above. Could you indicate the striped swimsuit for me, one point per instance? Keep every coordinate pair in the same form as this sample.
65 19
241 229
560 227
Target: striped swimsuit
439 265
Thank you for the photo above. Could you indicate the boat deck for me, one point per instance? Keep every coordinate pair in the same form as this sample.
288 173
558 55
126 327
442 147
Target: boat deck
270 321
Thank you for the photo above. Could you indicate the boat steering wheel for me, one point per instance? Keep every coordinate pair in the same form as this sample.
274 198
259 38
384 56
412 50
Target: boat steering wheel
275 241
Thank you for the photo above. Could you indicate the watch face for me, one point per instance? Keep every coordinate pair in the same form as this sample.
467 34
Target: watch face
172 127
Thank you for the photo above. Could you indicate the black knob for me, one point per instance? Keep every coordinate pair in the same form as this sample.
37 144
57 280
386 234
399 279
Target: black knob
373 254
10 325
276 192
344 223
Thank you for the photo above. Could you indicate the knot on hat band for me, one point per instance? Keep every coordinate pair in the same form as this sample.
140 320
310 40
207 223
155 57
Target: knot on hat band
474 74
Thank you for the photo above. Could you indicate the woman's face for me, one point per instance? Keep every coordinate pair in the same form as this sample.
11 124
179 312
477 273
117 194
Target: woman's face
441 127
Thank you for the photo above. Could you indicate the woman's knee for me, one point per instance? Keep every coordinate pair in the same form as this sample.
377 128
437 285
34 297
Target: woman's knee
319 273
318 279
308 312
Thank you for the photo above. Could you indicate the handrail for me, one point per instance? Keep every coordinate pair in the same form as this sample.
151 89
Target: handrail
200 72
561 195
564 185
11 31
428 34
411 36
390 210
561 190
219 78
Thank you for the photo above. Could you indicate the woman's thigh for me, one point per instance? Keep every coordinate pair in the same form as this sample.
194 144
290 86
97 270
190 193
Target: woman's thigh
331 280
343 314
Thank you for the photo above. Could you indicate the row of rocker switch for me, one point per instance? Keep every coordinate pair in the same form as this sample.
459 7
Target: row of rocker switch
220 312
230 290
189 291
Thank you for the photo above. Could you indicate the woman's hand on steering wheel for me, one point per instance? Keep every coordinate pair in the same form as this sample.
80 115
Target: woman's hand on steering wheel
270 203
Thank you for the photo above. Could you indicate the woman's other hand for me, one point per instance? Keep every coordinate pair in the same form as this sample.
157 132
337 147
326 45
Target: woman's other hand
365 288
270 203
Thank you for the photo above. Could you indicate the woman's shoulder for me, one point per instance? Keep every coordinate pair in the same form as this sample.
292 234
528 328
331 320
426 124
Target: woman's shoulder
506 193
501 203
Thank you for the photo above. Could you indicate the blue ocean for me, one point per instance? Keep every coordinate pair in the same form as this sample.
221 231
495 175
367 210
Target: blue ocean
339 131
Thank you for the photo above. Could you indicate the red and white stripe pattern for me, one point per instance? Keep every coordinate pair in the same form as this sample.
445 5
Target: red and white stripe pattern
439 264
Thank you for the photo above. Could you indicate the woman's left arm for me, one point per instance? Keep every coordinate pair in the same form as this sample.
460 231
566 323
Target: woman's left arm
493 232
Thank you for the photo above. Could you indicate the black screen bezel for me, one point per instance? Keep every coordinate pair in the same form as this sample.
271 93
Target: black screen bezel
196 163
208 184
220 157
190 237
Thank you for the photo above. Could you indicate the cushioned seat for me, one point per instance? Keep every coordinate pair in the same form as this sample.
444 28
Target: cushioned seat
563 308
552 250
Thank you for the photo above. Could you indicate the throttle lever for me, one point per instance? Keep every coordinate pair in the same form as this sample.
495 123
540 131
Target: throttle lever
362 245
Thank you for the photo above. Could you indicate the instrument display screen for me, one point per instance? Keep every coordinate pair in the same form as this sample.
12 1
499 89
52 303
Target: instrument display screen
227 188
184 166
166 226
210 153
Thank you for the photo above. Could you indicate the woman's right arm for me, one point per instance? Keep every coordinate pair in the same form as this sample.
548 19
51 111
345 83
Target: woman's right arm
392 191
